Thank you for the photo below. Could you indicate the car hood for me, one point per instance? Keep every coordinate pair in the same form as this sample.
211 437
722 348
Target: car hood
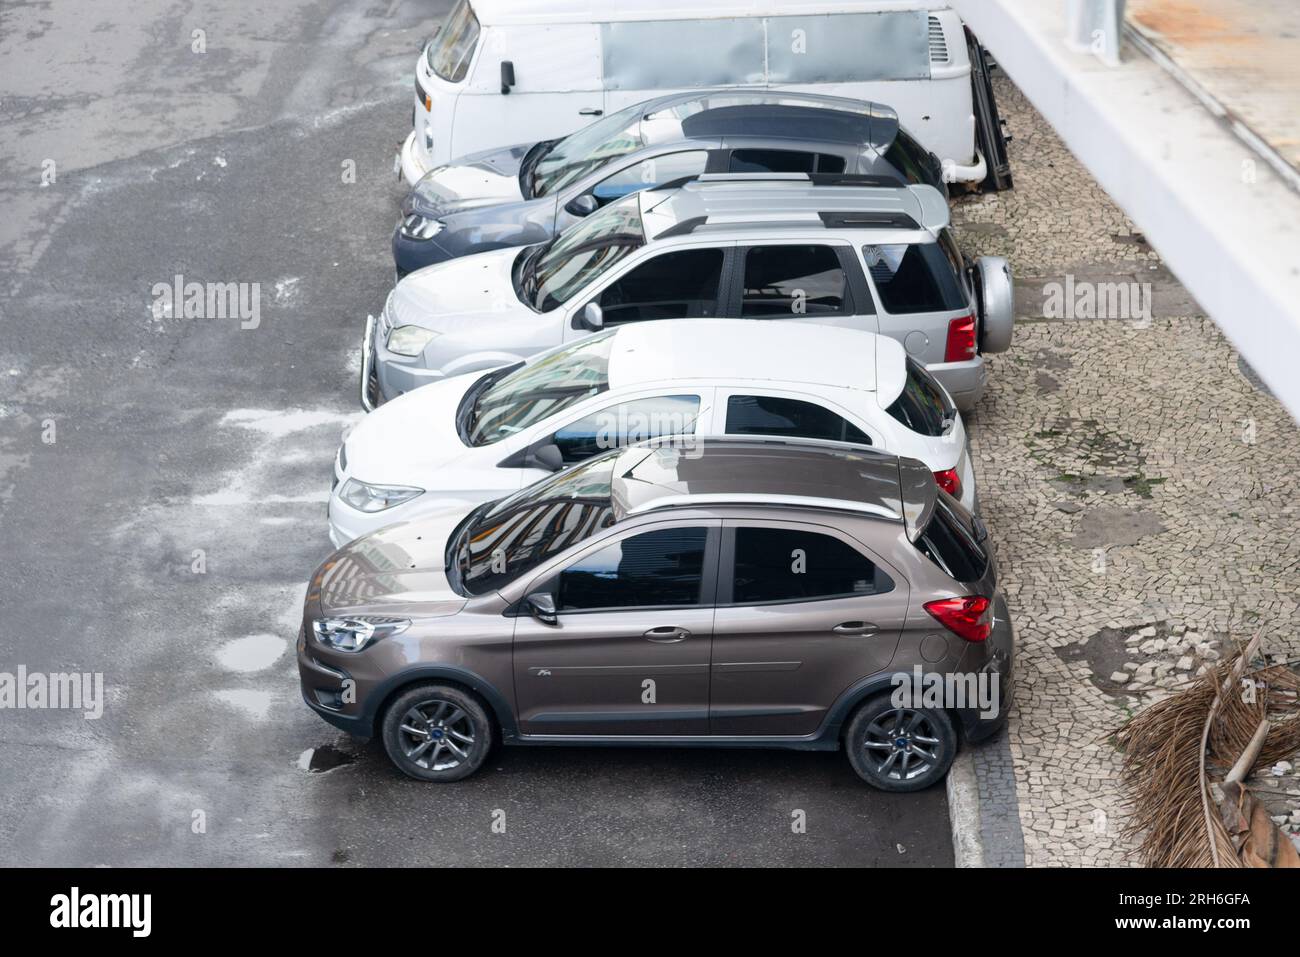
413 437
400 564
480 179
451 295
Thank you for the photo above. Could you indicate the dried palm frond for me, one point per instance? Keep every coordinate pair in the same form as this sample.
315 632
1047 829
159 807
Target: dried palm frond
1173 748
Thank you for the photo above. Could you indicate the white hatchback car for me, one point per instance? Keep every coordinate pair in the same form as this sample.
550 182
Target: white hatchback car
477 437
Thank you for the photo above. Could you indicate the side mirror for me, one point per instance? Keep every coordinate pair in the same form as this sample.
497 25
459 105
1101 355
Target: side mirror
583 205
541 605
996 296
507 75
592 317
548 457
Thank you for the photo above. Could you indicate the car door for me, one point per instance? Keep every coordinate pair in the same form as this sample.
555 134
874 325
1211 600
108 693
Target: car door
804 611
802 280
629 651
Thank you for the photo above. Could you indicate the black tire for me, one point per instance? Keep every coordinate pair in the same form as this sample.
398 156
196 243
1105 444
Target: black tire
450 716
928 735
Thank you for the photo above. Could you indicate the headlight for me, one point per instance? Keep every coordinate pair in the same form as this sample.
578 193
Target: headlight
417 227
410 340
354 634
375 498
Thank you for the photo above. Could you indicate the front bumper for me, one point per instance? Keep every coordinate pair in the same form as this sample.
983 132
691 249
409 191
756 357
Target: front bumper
412 254
411 160
385 375
965 381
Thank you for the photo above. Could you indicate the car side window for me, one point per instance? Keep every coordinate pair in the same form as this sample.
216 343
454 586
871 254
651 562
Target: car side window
674 285
784 161
790 564
660 568
793 281
914 277
650 173
627 423
793 418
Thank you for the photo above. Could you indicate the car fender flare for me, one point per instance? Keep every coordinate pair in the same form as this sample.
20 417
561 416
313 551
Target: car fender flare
392 686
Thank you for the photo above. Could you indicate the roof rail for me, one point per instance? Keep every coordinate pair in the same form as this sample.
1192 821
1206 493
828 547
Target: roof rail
743 498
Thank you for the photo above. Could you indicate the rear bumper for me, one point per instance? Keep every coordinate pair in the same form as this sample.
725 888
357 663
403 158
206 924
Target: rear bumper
965 381
1000 667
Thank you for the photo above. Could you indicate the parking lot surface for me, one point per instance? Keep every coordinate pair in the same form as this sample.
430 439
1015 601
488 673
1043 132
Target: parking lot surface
164 536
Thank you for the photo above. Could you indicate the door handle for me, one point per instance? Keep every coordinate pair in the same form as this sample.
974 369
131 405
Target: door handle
666 634
590 111
856 628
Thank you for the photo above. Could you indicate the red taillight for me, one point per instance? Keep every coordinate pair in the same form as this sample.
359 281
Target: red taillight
961 340
949 481
964 617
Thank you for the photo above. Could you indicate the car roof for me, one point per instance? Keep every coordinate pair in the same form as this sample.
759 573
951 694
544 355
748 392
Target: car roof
491 12
742 202
773 120
773 350
693 472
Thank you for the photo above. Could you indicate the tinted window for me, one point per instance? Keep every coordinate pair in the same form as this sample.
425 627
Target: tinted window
914 278
663 567
626 423
672 286
779 564
648 173
922 406
785 161
770 415
793 280
948 543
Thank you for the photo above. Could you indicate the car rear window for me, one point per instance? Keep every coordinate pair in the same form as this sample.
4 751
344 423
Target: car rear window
948 543
922 406
914 277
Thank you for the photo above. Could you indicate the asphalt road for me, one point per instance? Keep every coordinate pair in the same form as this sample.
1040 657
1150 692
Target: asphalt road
163 479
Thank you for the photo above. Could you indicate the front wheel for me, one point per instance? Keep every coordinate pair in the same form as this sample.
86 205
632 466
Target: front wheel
900 749
437 733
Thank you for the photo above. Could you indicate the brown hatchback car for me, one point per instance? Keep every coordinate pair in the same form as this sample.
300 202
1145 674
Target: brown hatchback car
722 593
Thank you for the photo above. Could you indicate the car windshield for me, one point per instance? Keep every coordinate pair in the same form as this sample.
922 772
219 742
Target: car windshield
578 154
452 49
541 389
583 254
522 531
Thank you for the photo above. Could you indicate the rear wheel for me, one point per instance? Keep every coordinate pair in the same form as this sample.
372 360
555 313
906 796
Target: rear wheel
437 732
900 749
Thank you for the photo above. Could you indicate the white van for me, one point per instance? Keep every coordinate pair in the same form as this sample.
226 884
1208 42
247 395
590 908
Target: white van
499 72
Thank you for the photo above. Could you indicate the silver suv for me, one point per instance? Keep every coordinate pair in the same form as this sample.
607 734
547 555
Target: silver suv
824 249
